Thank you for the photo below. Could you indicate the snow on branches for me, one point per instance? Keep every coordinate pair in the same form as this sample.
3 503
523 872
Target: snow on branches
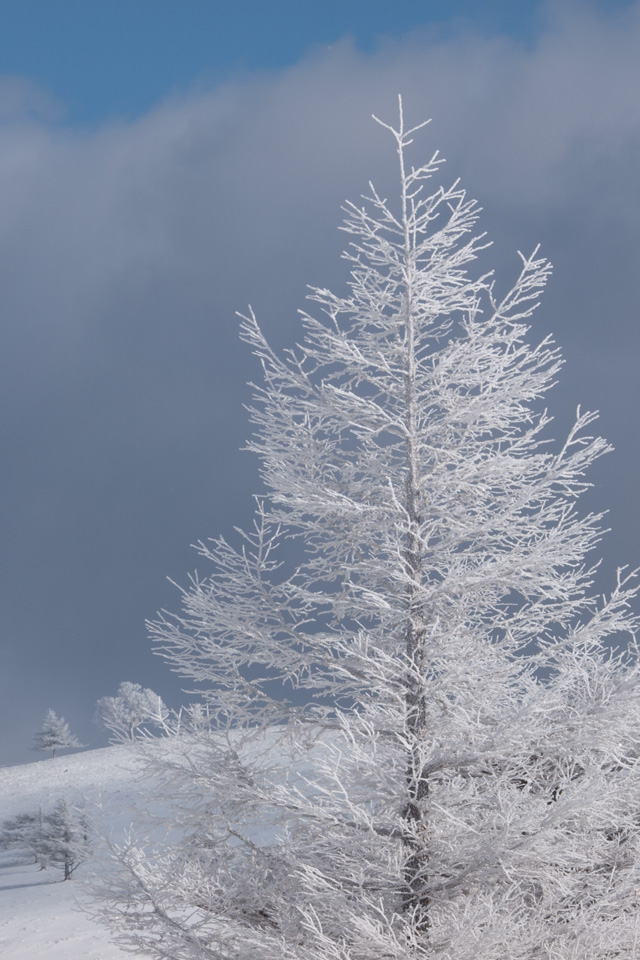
131 712
427 725
55 735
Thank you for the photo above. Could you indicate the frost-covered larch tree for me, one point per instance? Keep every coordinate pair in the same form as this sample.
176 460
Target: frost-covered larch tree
55 735
428 726
64 837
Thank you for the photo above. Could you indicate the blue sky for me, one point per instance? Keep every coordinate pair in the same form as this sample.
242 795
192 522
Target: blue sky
164 164
119 58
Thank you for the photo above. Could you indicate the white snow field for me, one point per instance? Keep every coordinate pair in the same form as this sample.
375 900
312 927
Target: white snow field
41 917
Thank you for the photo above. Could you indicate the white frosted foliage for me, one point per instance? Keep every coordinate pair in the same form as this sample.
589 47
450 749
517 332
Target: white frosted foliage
131 712
55 735
427 724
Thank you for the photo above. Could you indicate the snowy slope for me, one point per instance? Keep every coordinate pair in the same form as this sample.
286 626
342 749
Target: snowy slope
40 915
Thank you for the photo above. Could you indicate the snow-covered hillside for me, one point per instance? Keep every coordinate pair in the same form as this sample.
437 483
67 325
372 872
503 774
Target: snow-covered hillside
41 917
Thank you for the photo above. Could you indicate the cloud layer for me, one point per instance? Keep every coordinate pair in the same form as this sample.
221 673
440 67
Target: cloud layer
125 250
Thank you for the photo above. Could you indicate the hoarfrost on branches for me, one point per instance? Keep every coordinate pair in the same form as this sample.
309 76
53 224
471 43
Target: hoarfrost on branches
425 726
23 834
65 838
55 735
130 713
59 838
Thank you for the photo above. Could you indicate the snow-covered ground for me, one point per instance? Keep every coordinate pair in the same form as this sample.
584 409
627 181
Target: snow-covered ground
41 916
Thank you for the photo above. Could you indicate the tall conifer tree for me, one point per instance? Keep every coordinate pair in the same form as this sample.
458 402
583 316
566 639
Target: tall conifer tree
428 725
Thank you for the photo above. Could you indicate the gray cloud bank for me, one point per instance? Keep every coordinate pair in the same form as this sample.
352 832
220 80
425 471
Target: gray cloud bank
124 252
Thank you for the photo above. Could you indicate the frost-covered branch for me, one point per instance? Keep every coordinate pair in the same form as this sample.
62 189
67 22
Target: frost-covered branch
421 733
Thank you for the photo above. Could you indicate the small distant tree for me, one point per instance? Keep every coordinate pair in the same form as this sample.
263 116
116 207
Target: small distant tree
55 735
60 838
131 712
64 838
22 834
